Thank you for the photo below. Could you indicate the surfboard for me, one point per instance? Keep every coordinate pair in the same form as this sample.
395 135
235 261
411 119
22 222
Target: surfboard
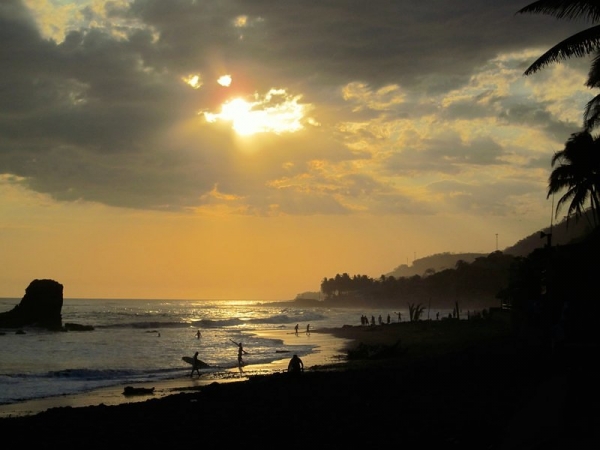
201 364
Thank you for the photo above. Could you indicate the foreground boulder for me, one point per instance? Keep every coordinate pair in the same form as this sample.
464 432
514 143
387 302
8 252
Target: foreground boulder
40 307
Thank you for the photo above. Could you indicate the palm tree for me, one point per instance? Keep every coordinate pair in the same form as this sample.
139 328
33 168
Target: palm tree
580 44
578 171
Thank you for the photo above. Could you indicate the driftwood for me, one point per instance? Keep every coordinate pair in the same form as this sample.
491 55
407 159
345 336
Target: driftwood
130 390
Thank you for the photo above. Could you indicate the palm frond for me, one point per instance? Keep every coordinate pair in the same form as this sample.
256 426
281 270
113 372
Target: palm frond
565 9
578 45
556 157
564 199
591 114
593 80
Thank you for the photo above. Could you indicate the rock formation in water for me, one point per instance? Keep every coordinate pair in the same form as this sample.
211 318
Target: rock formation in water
40 307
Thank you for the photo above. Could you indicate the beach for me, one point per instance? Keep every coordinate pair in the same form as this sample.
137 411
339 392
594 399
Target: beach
469 384
330 351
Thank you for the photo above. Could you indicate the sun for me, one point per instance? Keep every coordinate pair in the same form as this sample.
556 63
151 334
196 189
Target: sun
276 112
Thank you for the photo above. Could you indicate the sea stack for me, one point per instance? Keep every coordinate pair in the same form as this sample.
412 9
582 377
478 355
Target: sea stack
40 307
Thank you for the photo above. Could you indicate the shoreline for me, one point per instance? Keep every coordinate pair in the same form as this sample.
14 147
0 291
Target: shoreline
447 385
329 351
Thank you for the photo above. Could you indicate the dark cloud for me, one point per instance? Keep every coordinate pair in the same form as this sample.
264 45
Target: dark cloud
493 199
106 117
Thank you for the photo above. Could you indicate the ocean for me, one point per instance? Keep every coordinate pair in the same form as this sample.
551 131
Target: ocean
143 341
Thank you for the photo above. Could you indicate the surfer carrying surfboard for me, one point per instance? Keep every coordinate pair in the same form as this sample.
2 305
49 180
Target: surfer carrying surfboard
195 365
241 352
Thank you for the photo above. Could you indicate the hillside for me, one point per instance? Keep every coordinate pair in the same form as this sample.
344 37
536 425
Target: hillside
438 262
562 234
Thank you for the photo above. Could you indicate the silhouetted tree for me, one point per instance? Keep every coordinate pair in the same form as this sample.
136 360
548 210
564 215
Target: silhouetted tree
415 311
580 44
577 170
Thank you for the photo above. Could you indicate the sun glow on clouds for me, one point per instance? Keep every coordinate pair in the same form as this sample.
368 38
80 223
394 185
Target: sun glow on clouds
193 80
56 18
225 80
277 112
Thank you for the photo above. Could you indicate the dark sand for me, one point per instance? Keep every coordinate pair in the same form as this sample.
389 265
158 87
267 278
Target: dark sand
465 385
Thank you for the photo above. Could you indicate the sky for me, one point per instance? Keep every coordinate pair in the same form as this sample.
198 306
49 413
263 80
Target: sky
181 149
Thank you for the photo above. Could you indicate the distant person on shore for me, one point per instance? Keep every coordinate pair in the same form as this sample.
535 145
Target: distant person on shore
195 365
399 317
373 320
388 319
296 328
296 365
198 334
380 320
308 329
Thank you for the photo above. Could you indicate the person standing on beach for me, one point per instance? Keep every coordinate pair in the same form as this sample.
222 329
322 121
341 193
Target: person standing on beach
241 352
296 328
195 365
198 334
296 365
308 329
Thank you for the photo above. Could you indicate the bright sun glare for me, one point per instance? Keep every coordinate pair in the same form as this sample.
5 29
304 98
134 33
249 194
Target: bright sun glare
277 112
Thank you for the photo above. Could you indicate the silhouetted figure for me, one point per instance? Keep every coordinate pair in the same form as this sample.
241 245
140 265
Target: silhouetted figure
198 334
372 320
380 320
296 328
437 315
195 365
388 319
296 365
241 352
399 317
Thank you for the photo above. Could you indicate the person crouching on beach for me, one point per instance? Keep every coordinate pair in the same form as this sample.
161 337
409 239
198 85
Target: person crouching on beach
296 365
